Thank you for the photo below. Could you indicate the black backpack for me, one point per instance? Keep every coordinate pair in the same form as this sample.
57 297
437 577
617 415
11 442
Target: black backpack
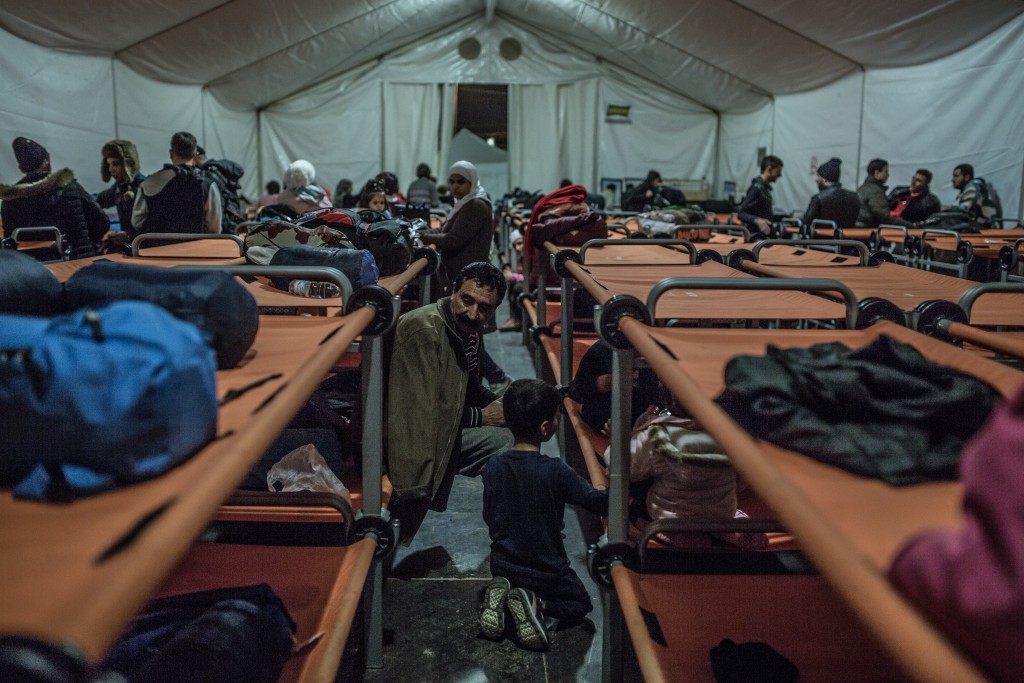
227 174
389 240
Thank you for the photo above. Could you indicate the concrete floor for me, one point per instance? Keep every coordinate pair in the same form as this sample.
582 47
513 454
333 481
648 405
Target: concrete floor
432 593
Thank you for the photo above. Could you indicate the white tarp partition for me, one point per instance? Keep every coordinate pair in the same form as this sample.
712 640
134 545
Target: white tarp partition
149 113
337 127
951 111
665 133
730 56
232 134
63 101
412 119
578 134
811 128
929 84
740 136
550 76
532 134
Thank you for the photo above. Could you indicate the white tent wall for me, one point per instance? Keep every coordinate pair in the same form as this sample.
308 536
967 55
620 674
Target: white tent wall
533 135
740 136
578 153
675 137
907 87
336 126
966 107
63 101
72 104
412 119
810 128
150 112
232 134
556 114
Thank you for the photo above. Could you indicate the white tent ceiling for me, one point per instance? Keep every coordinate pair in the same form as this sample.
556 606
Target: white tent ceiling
729 55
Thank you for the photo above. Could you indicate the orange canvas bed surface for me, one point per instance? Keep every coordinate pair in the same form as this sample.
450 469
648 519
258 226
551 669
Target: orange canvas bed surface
636 253
261 289
77 573
892 235
706 304
320 586
849 526
907 287
552 310
782 254
799 616
199 248
984 247
65 269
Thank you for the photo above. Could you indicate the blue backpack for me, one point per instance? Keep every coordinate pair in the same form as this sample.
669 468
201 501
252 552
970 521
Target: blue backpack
101 398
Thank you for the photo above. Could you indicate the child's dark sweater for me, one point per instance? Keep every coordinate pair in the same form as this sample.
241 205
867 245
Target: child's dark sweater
525 494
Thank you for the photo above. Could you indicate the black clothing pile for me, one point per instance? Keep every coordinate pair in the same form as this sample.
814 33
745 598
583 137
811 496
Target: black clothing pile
882 411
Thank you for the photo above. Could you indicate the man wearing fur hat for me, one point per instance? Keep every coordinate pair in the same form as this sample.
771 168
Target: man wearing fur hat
120 164
44 197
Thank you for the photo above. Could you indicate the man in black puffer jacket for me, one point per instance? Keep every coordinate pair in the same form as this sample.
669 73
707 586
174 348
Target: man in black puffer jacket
832 203
44 197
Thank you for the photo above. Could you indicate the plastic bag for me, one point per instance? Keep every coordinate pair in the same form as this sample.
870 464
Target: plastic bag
305 469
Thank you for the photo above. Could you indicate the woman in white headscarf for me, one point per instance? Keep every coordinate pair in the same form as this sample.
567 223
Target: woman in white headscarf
301 193
467 234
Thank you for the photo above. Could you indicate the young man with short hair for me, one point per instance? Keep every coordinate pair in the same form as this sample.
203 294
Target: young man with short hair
976 196
756 208
915 202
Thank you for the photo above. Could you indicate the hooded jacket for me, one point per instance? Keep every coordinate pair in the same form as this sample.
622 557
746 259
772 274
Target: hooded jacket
979 199
54 199
121 195
692 478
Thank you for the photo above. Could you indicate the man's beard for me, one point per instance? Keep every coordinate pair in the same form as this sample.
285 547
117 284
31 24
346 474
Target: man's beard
468 325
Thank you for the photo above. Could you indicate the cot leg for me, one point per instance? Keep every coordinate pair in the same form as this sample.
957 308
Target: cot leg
373 455
613 637
373 611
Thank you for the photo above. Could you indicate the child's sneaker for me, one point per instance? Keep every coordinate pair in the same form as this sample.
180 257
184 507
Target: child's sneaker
528 619
492 610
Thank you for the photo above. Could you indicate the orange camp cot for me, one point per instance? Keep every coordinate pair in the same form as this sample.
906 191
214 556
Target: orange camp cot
74 575
931 303
849 527
286 346
702 304
225 252
45 243
1009 261
935 249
